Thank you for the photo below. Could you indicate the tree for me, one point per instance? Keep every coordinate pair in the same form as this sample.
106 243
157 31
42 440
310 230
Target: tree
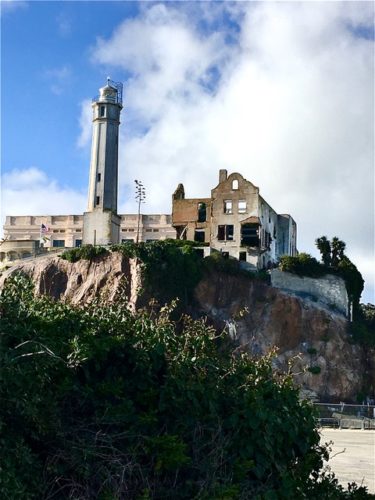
337 251
324 246
334 258
99 402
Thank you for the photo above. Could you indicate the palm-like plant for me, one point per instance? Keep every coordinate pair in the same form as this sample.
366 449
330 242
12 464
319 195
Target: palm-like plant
324 247
337 248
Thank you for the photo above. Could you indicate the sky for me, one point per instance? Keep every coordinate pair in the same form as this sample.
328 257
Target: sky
281 92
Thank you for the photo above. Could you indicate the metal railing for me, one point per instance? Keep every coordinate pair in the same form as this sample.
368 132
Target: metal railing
346 416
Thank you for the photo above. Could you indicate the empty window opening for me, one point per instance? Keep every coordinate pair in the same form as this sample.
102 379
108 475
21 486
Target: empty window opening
97 200
235 184
267 239
250 235
102 111
225 233
155 230
99 177
228 207
78 243
242 256
181 232
202 212
242 206
199 235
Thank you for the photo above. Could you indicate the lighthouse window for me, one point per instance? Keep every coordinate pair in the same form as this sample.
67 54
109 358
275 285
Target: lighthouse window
97 200
102 110
99 177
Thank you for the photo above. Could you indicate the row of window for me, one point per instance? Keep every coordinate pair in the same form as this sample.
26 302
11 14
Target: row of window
61 243
225 232
228 209
241 208
133 230
131 240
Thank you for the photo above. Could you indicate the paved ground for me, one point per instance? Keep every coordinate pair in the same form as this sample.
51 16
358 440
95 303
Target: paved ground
357 462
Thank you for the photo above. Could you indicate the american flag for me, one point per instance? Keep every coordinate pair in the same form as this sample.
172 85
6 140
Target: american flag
44 229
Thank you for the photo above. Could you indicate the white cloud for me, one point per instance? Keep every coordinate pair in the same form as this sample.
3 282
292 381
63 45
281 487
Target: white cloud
30 192
288 103
7 6
64 24
59 77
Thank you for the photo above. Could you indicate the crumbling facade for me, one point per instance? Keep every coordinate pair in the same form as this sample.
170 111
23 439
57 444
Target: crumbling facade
236 221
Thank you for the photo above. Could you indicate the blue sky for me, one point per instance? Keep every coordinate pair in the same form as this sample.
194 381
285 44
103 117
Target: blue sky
281 92
47 72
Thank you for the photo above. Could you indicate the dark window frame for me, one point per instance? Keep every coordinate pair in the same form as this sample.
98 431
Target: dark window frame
202 212
225 232
202 235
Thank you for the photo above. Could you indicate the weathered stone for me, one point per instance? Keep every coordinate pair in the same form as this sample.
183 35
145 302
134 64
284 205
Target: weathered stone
306 333
82 281
329 289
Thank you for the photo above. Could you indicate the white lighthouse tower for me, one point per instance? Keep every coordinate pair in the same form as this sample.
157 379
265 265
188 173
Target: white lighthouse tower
101 224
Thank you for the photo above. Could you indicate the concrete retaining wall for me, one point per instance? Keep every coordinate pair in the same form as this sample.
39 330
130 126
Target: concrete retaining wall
330 289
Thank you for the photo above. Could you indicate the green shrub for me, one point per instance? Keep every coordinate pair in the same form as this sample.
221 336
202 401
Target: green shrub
312 351
302 264
98 402
315 370
86 252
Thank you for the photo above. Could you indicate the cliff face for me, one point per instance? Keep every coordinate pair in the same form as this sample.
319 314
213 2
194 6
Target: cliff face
257 316
305 332
82 281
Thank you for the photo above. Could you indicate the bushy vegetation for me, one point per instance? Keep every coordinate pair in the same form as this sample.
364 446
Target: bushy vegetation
315 370
86 252
334 261
363 329
302 264
171 268
100 403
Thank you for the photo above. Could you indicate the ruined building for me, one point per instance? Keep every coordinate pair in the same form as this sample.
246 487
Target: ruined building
235 220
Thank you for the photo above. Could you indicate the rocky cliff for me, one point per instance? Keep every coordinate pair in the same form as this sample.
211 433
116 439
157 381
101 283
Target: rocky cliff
258 317
306 333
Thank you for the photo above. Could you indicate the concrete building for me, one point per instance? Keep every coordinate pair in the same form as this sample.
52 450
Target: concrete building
65 231
236 221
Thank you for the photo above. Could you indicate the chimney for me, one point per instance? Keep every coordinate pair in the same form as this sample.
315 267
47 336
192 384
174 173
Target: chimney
223 174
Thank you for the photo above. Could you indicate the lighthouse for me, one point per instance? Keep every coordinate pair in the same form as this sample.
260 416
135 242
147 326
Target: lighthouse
101 223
